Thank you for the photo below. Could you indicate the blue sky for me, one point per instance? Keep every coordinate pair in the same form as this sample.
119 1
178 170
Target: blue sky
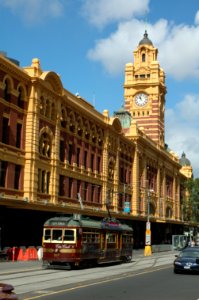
88 43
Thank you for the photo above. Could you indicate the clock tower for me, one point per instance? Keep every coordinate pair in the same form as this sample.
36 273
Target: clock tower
144 90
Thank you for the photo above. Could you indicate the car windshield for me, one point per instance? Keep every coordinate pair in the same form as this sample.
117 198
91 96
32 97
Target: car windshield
193 254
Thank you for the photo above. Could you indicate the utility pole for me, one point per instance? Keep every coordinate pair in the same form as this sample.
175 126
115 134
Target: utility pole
147 249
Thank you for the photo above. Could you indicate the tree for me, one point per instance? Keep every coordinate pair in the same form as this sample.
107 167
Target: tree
191 204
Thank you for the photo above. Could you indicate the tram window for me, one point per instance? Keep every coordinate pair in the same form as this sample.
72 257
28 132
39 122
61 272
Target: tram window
47 234
91 238
127 239
57 235
111 238
69 235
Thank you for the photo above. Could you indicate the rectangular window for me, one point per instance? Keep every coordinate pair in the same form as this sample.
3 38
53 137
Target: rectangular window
85 190
70 187
70 153
43 181
99 191
47 234
85 159
5 131
3 171
92 161
78 156
78 186
62 150
69 235
92 193
18 135
98 164
47 182
61 185
17 177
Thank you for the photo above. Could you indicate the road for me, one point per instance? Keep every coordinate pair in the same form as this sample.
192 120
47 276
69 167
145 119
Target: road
145 277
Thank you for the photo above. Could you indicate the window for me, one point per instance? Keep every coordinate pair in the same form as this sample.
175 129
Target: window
57 234
69 235
111 238
43 181
7 90
18 136
70 153
78 156
85 190
61 185
98 164
17 176
70 187
47 113
92 193
62 150
47 234
85 159
5 131
143 57
3 171
20 97
92 161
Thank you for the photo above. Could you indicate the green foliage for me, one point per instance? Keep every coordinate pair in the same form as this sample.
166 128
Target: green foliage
191 205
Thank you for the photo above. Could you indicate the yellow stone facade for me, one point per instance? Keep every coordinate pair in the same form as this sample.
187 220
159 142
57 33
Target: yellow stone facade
73 159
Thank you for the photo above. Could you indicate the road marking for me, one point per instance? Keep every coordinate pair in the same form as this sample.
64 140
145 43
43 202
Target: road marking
95 283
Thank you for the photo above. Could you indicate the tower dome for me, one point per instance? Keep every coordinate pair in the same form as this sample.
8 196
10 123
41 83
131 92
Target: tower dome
184 161
145 40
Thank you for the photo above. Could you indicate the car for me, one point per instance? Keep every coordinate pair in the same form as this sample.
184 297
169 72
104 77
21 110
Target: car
6 292
187 260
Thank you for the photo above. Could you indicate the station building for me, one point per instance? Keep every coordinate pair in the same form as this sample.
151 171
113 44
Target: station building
59 155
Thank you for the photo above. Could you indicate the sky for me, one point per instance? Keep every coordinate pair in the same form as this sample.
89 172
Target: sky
88 43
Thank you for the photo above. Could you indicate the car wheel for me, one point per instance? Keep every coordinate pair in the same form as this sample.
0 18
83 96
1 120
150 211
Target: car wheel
175 271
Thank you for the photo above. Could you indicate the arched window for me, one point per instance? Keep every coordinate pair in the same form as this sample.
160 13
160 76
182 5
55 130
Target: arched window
63 120
111 167
47 114
7 90
20 98
42 105
168 212
143 57
53 112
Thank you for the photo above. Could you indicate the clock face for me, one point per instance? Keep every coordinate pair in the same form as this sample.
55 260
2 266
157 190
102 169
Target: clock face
141 99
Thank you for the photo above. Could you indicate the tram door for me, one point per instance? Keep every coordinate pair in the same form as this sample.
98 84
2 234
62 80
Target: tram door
103 245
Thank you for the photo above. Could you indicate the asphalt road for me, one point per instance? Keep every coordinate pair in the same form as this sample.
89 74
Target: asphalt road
33 282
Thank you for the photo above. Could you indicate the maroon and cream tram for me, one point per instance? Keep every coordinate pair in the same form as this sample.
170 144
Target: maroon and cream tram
80 241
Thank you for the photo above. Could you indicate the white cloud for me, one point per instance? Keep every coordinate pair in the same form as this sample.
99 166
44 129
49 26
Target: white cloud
189 108
197 18
102 12
175 45
116 50
182 132
34 11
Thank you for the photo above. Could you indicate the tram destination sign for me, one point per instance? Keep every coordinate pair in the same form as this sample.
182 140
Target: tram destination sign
111 225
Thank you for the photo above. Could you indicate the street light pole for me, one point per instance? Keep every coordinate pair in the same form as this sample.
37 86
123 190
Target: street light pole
147 249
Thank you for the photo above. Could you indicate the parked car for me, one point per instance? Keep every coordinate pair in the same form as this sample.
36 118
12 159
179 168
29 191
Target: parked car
6 292
187 260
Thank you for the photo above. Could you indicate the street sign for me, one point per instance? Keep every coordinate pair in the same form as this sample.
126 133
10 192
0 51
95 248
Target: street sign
148 225
148 237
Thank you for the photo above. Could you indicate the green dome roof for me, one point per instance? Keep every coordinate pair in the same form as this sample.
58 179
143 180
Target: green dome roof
184 161
145 40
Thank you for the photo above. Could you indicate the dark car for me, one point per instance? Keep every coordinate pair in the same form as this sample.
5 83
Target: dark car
6 292
187 260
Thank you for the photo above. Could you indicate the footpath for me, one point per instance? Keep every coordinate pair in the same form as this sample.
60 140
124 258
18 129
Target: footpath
8 267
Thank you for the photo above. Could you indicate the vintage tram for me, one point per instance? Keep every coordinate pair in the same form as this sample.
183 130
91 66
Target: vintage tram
77 241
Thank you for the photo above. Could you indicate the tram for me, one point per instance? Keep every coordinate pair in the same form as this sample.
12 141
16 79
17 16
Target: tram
77 241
